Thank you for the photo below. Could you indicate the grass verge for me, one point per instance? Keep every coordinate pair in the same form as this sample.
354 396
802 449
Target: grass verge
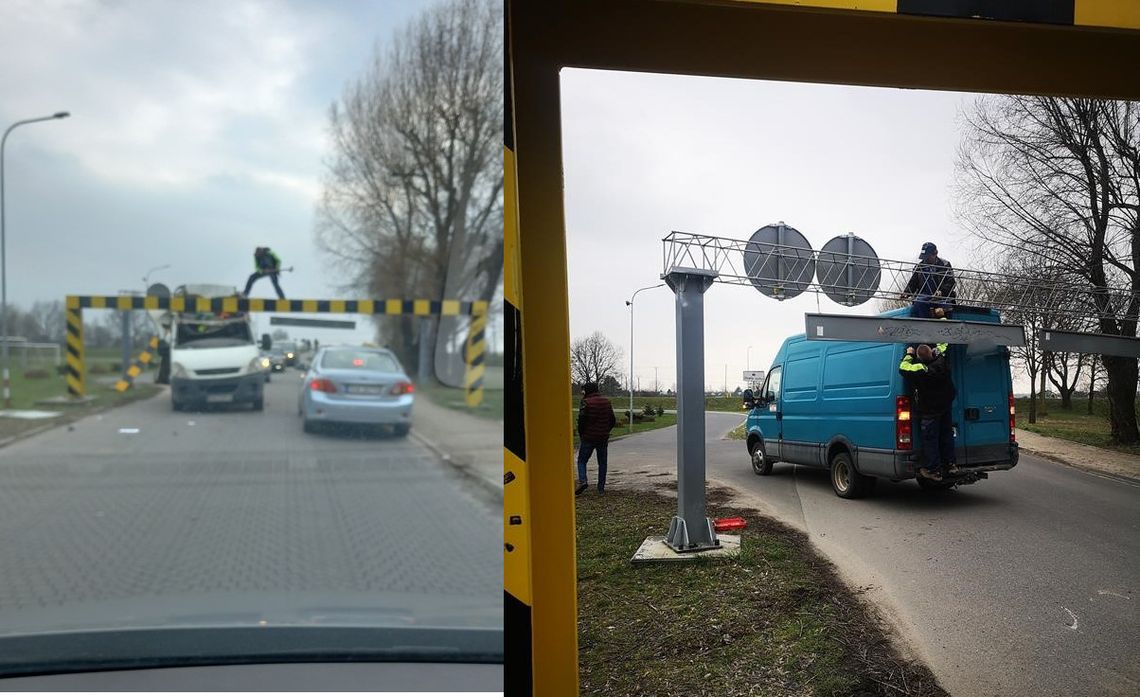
622 429
1075 425
774 621
712 403
737 433
25 393
456 398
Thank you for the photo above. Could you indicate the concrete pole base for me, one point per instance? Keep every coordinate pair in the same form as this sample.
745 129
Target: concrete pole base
679 540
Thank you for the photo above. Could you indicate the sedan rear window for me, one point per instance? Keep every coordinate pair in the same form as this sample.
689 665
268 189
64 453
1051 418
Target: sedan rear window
360 360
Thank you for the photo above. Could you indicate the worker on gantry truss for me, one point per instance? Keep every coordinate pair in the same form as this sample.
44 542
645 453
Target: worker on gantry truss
931 285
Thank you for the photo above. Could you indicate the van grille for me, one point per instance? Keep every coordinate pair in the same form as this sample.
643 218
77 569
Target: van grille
217 371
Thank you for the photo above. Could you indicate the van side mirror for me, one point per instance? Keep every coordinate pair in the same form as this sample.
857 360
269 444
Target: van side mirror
266 342
749 400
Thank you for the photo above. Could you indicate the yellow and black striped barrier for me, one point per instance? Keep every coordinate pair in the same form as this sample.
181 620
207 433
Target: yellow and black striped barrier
75 366
421 308
474 354
136 366
75 304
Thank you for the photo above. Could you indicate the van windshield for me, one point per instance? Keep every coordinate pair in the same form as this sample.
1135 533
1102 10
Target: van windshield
212 334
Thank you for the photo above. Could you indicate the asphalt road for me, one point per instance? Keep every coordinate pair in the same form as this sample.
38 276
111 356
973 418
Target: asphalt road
1022 584
144 516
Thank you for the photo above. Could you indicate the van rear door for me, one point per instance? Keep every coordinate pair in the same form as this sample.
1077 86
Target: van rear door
982 409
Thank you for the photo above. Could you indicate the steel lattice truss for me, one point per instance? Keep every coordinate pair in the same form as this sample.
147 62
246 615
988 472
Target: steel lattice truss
783 272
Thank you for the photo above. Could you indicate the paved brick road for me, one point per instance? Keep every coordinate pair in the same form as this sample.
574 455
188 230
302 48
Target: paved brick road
235 515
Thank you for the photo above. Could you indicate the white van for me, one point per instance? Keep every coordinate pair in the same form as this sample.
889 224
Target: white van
213 358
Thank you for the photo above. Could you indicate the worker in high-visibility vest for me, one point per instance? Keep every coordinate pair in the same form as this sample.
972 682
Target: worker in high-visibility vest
266 263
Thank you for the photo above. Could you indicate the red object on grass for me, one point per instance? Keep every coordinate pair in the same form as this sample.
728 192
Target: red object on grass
726 524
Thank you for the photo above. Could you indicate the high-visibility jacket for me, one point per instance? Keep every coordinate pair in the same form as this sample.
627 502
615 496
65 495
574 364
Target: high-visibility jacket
266 261
934 390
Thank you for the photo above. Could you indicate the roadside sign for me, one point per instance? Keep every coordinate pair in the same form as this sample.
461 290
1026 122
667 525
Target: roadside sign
307 322
779 261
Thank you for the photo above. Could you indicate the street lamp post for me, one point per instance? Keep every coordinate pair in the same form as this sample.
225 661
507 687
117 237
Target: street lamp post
3 256
146 276
748 359
629 303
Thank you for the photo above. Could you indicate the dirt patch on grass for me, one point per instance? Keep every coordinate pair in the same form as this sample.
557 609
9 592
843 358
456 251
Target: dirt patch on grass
776 620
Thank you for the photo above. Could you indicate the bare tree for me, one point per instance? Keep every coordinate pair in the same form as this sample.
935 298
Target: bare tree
1096 375
412 203
1059 179
1064 371
594 358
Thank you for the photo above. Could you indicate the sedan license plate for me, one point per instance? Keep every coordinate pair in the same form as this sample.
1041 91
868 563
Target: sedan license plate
364 389
219 398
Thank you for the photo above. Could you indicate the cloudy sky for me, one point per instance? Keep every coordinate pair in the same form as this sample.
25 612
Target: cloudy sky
646 154
198 131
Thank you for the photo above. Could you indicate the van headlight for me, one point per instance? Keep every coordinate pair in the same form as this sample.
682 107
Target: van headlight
264 362
177 370
258 364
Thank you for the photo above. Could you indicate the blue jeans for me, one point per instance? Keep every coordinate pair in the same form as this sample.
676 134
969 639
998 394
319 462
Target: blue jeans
584 451
923 306
938 442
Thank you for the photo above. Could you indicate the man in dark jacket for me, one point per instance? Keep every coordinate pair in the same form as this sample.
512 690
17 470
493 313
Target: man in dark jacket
595 419
931 285
934 394
265 263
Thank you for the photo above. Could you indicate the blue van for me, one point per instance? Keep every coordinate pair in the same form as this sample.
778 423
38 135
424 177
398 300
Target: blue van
842 405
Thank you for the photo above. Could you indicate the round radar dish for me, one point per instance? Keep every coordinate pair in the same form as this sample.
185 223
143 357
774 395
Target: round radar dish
158 290
848 270
779 261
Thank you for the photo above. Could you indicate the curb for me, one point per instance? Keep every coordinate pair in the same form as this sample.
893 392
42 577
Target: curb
463 468
1123 478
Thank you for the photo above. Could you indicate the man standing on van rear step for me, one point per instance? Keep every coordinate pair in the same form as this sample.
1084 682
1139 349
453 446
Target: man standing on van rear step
931 284
934 394
595 420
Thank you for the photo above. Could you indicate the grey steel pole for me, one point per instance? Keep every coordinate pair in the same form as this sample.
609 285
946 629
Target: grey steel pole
126 338
4 257
850 267
690 530
425 353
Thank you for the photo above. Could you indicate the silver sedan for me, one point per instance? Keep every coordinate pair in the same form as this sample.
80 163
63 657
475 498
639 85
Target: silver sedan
357 385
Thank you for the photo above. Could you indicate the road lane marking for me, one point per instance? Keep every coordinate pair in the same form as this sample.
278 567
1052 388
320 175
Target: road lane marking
1072 626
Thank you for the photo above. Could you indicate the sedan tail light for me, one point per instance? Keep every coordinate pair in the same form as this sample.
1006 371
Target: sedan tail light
322 385
402 388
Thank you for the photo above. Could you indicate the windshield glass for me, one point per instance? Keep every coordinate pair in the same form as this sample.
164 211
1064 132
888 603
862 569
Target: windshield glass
211 334
207 187
350 359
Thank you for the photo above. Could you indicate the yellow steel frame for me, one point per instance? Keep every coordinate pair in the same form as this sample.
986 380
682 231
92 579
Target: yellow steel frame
856 42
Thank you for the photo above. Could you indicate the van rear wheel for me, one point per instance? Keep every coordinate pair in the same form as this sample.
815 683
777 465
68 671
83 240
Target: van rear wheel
761 465
847 483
